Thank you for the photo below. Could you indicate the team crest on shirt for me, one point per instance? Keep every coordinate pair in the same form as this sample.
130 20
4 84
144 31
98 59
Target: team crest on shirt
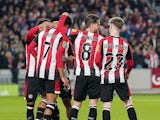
74 30
64 44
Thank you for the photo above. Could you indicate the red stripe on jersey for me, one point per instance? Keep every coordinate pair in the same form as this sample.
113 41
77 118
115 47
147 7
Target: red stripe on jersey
108 57
42 48
57 86
27 58
30 63
94 43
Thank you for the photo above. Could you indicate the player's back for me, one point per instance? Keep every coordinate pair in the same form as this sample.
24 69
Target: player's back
114 57
84 48
48 41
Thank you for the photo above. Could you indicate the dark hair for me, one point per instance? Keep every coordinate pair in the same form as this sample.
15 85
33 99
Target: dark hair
41 20
91 18
68 21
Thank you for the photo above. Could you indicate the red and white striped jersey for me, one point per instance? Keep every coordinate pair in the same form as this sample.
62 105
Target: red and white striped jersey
84 48
30 60
48 42
113 53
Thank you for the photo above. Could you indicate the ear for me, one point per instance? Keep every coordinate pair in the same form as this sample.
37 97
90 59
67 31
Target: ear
110 26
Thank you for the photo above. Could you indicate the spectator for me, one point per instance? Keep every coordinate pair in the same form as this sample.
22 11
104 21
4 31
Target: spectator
152 59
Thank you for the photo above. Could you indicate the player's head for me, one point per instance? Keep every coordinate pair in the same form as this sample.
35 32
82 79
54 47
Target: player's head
92 22
68 22
116 23
41 20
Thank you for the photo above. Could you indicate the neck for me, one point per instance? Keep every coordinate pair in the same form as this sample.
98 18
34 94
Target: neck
89 29
115 34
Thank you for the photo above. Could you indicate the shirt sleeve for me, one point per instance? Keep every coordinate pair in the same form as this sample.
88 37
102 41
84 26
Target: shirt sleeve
32 46
129 58
98 58
61 27
31 34
60 53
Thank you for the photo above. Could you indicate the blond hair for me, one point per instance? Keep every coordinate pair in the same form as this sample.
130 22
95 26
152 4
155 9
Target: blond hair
117 21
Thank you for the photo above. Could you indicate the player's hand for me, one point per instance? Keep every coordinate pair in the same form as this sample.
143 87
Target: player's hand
70 58
126 75
65 13
65 81
45 25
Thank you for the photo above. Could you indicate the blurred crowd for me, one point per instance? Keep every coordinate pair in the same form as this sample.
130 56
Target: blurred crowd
141 30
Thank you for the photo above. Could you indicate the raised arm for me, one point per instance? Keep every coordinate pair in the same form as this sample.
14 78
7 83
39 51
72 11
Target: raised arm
63 27
32 33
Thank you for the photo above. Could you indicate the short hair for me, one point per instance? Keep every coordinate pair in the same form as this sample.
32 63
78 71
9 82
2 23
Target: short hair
91 18
117 21
68 21
41 20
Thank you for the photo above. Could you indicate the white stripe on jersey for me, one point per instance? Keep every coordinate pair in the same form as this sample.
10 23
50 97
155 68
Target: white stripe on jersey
103 62
53 60
77 44
122 79
85 63
40 35
31 69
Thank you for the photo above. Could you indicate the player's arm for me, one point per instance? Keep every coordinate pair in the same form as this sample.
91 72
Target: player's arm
60 62
61 26
32 46
31 34
130 62
99 53
70 53
129 58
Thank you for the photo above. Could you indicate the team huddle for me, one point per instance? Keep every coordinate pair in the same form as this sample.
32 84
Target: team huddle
101 65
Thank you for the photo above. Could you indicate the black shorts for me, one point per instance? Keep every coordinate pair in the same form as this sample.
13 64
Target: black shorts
87 85
50 86
121 89
65 92
31 89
